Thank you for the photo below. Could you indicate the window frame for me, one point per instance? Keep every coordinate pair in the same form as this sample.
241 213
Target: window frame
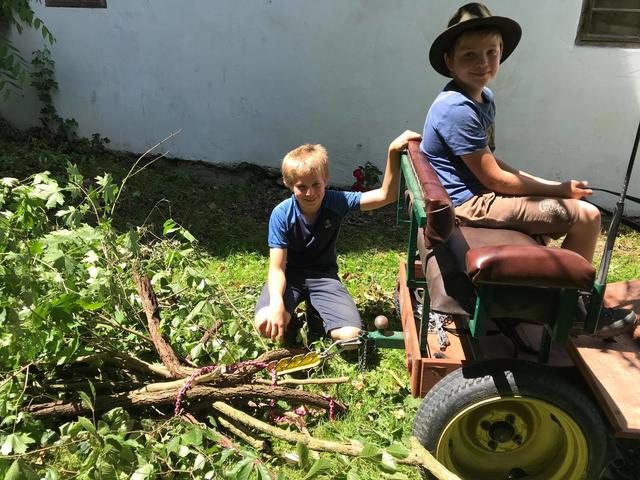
584 37
76 3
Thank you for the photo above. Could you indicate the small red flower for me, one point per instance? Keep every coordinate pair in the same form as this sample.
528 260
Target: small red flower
359 174
358 187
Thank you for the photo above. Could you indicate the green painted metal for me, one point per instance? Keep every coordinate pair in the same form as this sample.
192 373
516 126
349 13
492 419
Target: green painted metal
565 315
401 212
416 218
388 339
595 307
413 186
478 324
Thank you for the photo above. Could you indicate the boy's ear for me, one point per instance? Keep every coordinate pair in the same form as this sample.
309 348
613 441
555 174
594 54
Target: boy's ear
449 61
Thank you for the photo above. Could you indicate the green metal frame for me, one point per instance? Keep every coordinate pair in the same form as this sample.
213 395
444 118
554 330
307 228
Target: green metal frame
416 219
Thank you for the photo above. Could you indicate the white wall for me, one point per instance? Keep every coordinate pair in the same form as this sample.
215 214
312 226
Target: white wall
247 80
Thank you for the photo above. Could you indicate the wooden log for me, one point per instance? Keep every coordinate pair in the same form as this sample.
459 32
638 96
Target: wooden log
65 409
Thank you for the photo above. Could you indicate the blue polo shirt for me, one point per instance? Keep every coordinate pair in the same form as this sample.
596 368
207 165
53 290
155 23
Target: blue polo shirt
457 125
311 247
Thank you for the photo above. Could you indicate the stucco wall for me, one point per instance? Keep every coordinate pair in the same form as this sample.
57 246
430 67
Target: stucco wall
247 80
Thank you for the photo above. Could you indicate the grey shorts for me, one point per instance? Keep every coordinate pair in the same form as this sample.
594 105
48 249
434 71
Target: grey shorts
551 217
327 295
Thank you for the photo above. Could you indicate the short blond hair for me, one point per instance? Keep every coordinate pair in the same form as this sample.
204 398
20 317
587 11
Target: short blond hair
303 160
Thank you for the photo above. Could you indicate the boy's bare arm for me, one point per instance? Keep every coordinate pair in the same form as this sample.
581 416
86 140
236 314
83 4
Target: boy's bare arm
276 283
388 191
505 166
487 169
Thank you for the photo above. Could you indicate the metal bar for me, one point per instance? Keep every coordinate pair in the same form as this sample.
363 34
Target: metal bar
617 215
401 212
478 324
565 315
388 339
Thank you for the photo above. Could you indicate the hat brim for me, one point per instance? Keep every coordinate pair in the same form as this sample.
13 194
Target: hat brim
509 29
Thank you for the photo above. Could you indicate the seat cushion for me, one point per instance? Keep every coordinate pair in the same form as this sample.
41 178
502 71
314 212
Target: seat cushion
529 265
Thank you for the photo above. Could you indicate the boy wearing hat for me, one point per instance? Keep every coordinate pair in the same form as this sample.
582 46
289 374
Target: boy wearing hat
458 139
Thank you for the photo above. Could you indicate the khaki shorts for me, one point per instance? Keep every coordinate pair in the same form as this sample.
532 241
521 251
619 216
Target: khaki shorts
551 217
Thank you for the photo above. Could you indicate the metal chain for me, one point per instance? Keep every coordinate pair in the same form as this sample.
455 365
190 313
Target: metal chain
362 354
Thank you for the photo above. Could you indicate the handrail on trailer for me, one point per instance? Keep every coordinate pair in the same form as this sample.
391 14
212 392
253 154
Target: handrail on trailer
416 219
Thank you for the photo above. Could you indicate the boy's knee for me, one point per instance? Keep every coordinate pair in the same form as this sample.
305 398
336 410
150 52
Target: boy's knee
345 333
589 213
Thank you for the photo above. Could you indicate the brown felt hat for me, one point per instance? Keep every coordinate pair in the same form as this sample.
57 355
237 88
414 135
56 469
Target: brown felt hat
470 17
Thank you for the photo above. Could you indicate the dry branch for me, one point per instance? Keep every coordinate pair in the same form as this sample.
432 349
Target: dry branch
243 433
128 362
306 381
150 305
63 409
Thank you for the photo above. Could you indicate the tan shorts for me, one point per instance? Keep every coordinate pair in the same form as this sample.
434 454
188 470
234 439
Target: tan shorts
551 217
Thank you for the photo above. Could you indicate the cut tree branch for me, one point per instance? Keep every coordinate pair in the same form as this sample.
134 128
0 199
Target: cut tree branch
418 456
65 409
164 349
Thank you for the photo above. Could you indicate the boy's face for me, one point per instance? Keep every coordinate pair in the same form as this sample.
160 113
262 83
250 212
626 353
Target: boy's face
309 191
475 60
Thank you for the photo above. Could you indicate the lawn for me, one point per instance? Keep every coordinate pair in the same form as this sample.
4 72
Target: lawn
207 265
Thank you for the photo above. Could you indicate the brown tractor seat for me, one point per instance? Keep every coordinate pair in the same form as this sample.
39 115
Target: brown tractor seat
529 265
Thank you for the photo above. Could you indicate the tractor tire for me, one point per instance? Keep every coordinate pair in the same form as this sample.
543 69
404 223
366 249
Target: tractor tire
509 419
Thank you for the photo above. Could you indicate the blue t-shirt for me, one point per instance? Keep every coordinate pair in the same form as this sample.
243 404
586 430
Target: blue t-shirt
457 125
311 247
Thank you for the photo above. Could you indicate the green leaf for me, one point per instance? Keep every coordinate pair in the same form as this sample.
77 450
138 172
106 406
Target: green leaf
131 241
320 465
398 450
303 455
143 473
169 226
241 471
370 451
352 475
263 472
192 437
86 423
86 402
199 462
187 235
397 476
388 463
16 443
19 470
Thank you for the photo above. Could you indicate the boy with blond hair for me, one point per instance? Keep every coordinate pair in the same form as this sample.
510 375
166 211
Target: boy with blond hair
303 231
458 139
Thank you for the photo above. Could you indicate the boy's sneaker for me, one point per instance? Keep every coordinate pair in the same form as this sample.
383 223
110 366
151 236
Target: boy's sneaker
612 321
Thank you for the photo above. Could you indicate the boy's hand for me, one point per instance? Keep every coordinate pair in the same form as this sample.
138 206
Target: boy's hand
276 324
576 189
402 141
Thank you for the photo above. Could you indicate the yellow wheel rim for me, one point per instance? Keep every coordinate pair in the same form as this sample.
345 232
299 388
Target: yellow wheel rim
505 438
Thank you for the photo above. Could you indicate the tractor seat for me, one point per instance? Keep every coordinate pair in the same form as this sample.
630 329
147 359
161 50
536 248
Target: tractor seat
529 265
526 276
